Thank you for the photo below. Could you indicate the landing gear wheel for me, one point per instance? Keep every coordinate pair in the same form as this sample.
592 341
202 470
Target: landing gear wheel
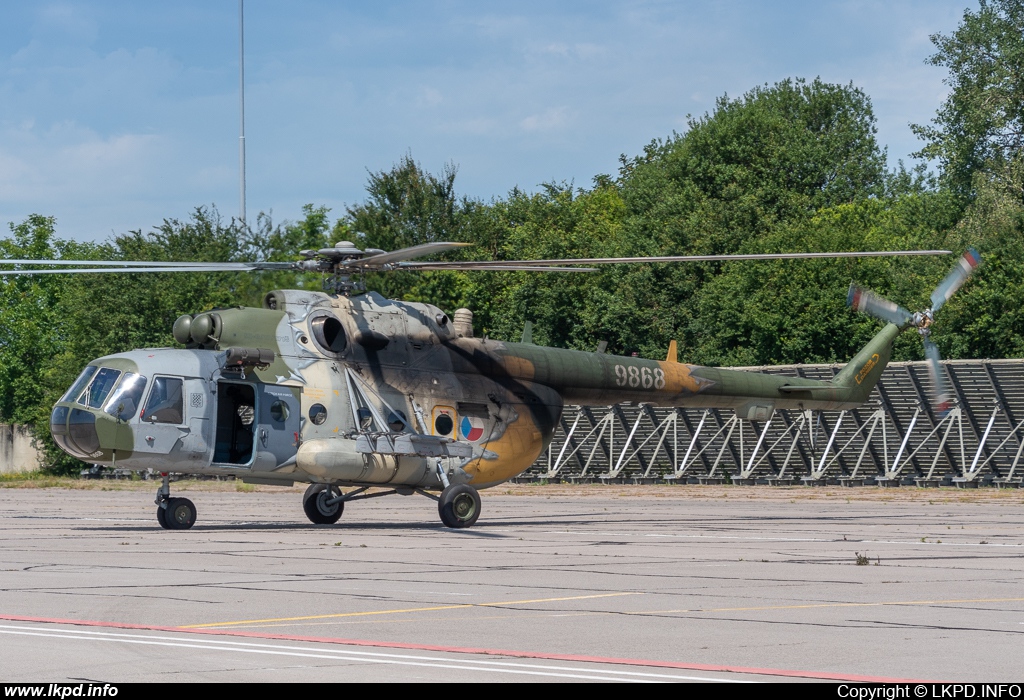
459 505
314 502
161 517
180 514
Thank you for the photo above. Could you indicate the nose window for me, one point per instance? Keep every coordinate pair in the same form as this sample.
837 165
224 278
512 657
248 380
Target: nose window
124 402
165 403
100 387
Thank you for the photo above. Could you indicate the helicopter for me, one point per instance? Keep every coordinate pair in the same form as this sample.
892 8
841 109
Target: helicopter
362 396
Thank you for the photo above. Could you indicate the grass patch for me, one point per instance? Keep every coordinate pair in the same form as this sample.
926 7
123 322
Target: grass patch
35 480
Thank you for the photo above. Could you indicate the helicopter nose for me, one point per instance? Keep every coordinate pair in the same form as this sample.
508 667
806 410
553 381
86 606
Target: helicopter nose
74 431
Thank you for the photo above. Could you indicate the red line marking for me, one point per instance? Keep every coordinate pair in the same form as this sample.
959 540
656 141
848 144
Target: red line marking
786 673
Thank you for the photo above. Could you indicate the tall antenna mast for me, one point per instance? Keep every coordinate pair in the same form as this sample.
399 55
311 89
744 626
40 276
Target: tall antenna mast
241 110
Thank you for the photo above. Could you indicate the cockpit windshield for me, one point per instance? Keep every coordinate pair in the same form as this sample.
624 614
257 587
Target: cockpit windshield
124 402
100 387
80 383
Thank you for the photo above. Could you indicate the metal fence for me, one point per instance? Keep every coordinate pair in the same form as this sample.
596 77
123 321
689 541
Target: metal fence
896 437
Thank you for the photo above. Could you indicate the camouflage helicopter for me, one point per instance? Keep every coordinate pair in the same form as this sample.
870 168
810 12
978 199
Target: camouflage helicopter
348 391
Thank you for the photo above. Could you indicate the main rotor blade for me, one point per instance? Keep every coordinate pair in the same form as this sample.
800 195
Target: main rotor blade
116 266
397 258
941 396
120 270
963 269
486 264
416 251
144 263
866 301
497 266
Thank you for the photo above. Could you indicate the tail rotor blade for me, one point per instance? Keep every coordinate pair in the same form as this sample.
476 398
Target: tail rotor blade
942 396
866 301
966 265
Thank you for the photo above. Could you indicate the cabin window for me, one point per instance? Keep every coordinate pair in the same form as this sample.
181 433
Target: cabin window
165 402
397 421
364 417
124 402
318 413
443 424
279 411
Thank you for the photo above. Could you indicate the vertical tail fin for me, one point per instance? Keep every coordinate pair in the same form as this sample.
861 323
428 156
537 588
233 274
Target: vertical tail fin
862 372
673 354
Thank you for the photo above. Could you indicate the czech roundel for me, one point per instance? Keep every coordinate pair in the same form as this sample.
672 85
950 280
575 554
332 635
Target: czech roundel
472 428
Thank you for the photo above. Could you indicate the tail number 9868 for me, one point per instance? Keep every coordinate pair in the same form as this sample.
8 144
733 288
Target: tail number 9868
640 376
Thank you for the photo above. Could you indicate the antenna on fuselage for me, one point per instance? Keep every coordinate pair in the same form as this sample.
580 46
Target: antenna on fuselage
241 111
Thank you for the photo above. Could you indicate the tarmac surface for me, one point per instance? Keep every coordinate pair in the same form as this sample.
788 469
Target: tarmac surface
554 583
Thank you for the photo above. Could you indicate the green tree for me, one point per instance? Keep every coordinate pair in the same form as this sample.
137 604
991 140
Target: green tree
760 313
775 154
986 318
980 126
558 222
768 161
33 338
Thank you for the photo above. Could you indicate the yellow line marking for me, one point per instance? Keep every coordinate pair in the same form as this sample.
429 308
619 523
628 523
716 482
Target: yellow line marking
406 610
834 605
434 620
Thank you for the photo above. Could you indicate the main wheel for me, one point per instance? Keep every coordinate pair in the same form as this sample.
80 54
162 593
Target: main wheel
180 514
314 502
459 505
161 517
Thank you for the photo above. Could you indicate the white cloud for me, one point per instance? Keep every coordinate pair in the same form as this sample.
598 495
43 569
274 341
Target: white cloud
576 51
69 166
69 159
548 120
70 20
429 97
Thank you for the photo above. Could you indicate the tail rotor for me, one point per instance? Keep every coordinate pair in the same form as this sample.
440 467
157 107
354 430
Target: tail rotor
866 301
942 398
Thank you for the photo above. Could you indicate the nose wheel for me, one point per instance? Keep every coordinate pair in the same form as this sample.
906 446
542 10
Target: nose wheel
173 513
178 514
459 505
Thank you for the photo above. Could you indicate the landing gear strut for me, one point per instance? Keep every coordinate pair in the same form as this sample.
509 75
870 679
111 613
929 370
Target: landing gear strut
323 504
173 513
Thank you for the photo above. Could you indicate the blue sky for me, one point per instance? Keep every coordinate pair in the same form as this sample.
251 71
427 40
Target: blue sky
116 115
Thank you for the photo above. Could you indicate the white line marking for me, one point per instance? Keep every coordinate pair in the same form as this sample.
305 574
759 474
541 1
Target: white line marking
352 655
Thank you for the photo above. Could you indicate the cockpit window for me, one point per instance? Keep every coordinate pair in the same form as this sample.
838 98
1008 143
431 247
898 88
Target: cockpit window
79 385
100 387
124 402
165 404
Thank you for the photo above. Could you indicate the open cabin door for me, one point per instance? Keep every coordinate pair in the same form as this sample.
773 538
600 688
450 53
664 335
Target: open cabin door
236 424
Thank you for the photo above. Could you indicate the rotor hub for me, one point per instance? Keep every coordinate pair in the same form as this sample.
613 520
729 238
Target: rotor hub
922 321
